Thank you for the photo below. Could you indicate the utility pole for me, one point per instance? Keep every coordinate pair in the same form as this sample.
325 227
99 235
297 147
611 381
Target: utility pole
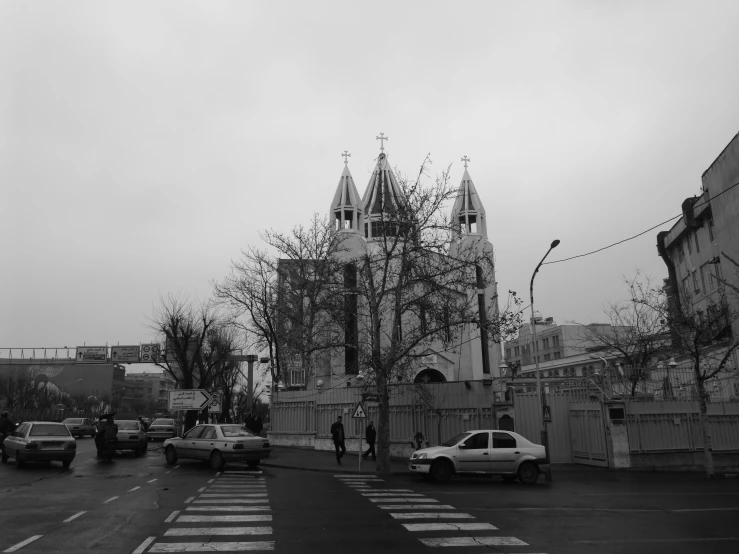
250 359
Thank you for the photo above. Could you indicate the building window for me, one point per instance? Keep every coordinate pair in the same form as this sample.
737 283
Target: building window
517 350
705 278
547 357
686 287
696 288
710 229
680 253
697 242
555 341
507 352
689 240
557 355
546 344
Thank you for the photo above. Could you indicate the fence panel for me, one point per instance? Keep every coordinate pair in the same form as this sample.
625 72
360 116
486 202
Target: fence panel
295 417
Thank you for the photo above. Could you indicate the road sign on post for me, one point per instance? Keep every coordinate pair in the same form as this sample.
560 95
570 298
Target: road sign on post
371 397
124 354
359 412
92 354
189 399
151 353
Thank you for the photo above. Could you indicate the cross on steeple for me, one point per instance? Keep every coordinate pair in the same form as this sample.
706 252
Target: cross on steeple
382 138
465 160
346 155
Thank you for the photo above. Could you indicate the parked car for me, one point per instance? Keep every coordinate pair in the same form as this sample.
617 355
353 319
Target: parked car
40 441
131 436
161 429
79 427
218 444
508 454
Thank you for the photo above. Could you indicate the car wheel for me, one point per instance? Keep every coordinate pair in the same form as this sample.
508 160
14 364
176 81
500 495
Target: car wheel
252 464
217 461
509 478
171 455
66 463
528 473
441 471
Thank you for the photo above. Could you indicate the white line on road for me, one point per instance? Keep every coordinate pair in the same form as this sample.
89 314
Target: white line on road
75 516
228 508
177 467
134 489
218 473
390 494
417 507
392 490
431 515
172 516
110 499
144 545
414 499
151 481
202 489
235 495
239 486
232 501
167 472
449 527
223 519
212 546
474 541
347 476
189 500
195 531
22 544
210 481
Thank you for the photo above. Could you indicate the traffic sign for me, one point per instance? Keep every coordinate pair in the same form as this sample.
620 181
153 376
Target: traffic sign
371 397
92 354
215 406
189 399
547 414
359 412
124 353
151 353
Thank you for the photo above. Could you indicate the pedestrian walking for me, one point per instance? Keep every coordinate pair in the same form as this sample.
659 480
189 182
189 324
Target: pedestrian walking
370 434
7 426
258 425
337 433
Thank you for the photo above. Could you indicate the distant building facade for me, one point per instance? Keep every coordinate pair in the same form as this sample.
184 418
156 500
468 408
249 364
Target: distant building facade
147 391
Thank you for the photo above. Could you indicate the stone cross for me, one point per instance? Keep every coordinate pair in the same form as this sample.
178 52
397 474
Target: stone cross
465 160
382 138
346 155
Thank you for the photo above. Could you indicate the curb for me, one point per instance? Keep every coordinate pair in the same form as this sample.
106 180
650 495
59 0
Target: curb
340 469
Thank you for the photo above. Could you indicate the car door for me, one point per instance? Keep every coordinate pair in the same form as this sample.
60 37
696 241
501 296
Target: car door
188 445
12 441
206 442
504 453
474 453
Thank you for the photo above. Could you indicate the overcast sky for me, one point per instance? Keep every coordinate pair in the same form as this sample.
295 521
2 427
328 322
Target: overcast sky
144 144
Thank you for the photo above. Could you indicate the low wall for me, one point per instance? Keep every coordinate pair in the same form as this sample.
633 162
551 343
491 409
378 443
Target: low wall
727 462
309 440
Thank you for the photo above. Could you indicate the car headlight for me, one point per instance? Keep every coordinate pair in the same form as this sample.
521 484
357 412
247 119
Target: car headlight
422 456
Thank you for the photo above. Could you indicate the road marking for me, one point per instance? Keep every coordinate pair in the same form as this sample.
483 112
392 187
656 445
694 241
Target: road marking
212 546
167 472
110 499
195 531
449 527
345 476
474 541
391 490
234 495
637 541
240 487
22 544
218 473
228 509
201 489
223 519
431 515
151 481
414 499
90 461
243 472
75 516
232 501
391 494
417 507
210 481
172 516
143 546
134 489
189 500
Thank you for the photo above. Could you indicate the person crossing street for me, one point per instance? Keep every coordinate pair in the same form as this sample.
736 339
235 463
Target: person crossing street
337 433
370 434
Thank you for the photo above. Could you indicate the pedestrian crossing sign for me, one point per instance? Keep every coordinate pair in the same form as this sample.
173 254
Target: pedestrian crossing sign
359 412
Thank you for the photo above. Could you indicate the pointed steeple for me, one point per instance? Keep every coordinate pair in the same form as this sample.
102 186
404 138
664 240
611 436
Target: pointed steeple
346 208
382 198
468 211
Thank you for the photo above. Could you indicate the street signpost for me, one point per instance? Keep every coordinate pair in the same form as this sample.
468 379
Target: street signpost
124 354
92 354
371 397
359 413
189 399
151 353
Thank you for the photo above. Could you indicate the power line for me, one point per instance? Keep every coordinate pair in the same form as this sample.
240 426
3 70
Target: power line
642 233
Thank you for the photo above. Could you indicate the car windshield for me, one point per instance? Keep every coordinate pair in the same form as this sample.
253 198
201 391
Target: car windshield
72 421
235 431
454 440
163 422
49 430
128 426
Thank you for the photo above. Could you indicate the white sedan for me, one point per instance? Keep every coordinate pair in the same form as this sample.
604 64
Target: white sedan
485 452
218 444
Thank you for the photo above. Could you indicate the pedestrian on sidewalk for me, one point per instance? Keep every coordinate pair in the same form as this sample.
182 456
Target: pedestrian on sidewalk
337 433
370 434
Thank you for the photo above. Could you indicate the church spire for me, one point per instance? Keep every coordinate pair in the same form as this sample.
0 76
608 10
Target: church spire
382 199
346 208
468 212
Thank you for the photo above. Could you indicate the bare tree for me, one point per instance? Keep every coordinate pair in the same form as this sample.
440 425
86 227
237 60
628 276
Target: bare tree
199 343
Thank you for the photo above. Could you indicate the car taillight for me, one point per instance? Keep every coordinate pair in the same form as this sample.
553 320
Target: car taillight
32 446
71 446
238 446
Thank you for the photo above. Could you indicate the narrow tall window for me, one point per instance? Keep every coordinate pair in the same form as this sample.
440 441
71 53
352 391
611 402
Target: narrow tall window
697 242
689 240
710 229
696 288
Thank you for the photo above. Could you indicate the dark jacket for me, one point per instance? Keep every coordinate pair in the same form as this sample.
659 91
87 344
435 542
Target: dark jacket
6 426
110 431
370 434
337 432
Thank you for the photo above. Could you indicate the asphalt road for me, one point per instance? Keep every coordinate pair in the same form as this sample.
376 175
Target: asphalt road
142 505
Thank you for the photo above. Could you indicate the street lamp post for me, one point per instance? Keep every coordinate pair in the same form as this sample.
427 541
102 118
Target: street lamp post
544 434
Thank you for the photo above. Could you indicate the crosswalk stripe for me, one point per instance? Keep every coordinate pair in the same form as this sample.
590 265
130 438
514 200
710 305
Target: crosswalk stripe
211 546
392 490
414 499
223 519
196 531
238 489
232 501
473 541
430 515
417 507
449 526
234 495
390 494
358 477
227 509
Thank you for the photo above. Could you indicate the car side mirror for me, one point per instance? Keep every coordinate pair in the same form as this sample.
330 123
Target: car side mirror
462 446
